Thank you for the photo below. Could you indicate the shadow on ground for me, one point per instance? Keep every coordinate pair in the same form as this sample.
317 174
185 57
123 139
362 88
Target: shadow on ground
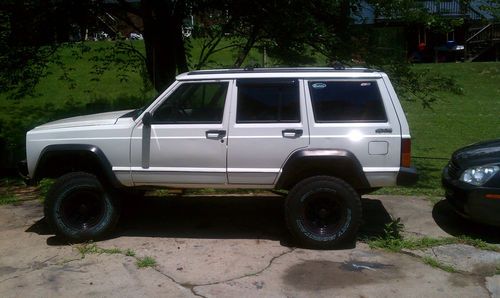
231 217
455 225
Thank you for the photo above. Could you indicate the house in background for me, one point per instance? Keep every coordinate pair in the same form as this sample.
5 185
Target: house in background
477 38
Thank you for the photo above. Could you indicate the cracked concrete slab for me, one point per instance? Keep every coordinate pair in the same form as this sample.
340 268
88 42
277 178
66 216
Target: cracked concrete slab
96 275
348 273
464 258
221 247
415 213
493 285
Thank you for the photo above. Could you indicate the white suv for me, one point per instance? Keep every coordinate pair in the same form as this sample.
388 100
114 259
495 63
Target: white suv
325 135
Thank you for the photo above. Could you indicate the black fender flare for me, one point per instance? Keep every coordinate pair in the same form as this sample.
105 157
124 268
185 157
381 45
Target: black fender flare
93 151
339 163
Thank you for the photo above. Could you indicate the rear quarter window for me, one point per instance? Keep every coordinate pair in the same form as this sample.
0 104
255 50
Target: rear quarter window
347 101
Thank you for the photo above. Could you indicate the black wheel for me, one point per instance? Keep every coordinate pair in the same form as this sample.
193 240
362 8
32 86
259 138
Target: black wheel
77 207
323 212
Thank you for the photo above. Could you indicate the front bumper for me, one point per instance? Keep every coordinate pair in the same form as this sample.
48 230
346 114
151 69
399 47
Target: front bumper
478 203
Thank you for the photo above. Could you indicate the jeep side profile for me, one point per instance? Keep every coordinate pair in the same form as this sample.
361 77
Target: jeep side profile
324 135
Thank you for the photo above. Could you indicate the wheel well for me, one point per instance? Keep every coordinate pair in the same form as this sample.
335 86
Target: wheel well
335 163
53 164
323 171
56 164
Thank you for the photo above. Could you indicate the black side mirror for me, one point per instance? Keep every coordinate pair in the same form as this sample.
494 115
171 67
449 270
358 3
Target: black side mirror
147 118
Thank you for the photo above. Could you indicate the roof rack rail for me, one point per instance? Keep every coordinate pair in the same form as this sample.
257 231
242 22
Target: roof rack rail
340 67
337 65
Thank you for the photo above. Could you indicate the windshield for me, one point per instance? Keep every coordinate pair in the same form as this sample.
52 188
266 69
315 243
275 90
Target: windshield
137 112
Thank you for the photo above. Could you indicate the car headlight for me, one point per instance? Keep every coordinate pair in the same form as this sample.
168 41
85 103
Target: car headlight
479 175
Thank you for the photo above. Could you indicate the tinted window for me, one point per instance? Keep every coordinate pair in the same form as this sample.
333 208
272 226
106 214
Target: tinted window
193 103
347 101
268 102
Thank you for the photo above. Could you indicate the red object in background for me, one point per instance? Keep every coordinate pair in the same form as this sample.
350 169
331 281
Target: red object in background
421 46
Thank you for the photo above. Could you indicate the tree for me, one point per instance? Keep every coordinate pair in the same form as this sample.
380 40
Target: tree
293 32
30 34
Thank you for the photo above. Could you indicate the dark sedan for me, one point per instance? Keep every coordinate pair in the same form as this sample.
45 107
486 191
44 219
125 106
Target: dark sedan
472 182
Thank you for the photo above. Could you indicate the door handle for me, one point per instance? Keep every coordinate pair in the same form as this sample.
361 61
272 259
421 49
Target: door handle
292 133
215 134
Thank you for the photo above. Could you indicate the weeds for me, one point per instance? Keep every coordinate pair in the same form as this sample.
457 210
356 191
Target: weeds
43 188
6 195
92 248
130 253
392 240
145 262
7 198
437 264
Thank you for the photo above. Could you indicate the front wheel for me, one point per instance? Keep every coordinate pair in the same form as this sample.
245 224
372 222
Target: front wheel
323 212
78 207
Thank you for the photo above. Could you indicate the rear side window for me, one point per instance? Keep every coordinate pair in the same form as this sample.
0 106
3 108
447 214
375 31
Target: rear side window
344 101
265 101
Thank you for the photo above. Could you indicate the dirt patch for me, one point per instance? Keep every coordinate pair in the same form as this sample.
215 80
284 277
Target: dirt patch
321 274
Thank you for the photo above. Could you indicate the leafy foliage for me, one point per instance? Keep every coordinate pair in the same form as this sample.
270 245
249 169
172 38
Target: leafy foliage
31 33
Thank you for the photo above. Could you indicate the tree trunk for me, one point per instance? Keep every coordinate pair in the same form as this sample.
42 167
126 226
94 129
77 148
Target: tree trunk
165 52
247 47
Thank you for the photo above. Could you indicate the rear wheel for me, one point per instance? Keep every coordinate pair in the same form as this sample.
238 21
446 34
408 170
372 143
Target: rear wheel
78 207
323 212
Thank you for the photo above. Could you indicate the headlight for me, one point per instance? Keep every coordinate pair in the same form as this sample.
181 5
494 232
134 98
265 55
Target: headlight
479 175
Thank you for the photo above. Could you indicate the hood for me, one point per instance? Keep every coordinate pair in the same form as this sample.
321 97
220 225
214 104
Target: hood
108 118
481 153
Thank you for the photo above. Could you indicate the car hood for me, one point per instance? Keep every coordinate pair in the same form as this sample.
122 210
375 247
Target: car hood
108 118
481 153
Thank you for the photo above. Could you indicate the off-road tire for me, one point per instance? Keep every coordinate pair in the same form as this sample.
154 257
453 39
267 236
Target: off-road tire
78 208
323 212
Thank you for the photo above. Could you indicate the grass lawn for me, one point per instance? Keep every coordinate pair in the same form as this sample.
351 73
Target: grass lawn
452 122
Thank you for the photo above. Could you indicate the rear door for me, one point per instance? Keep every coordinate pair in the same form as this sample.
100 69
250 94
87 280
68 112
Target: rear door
267 124
358 115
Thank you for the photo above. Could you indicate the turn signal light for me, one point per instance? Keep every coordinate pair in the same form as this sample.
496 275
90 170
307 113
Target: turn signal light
405 153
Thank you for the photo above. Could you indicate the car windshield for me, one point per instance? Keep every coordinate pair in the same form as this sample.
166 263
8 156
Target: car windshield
137 112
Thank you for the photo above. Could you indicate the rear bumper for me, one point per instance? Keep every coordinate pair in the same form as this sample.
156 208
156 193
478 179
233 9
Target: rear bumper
475 202
407 176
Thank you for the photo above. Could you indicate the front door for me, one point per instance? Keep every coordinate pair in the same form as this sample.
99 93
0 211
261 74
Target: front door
186 142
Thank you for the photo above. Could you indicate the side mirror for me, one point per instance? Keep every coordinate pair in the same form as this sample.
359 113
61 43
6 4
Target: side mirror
147 118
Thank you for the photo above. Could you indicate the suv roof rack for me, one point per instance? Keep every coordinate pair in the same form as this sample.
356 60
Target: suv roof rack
335 68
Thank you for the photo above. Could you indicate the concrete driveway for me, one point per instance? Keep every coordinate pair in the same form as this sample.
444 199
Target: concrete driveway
230 246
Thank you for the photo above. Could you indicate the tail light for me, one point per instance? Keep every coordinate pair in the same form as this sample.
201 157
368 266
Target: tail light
405 153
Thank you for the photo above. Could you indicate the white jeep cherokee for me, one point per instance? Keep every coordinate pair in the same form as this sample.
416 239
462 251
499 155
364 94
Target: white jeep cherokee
325 135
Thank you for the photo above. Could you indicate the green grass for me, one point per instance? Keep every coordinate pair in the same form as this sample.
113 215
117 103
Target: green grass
6 199
43 188
145 262
92 248
437 264
398 244
452 122
130 253
7 196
